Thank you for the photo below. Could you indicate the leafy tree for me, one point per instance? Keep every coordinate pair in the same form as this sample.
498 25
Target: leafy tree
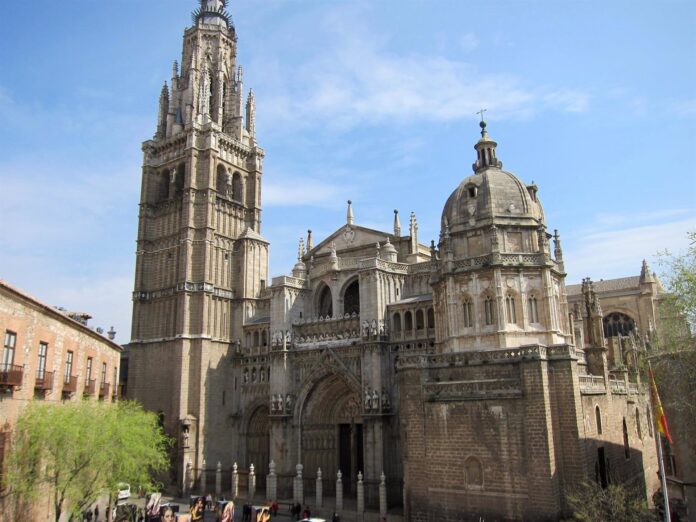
78 451
616 503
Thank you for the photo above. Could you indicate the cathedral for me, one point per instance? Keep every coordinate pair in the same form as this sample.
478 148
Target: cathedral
450 381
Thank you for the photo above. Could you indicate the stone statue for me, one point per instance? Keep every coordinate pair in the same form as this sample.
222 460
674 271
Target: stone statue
172 176
288 403
385 400
367 399
375 400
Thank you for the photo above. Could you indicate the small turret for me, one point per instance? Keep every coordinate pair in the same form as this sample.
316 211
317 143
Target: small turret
397 224
646 275
251 115
485 150
310 243
413 233
349 213
389 253
300 270
163 111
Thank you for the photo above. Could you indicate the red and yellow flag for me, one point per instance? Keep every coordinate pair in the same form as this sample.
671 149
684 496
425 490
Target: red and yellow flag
659 412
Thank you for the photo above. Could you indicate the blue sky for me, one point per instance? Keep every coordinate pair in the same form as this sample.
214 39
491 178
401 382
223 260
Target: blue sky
370 101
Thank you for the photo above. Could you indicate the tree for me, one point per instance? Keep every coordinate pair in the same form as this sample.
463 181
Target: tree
78 451
616 503
673 355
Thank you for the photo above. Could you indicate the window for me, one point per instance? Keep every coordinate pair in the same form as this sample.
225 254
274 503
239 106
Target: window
408 322
533 310
103 375
431 318
638 430
88 376
598 420
489 311
8 351
616 324
510 306
351 298
68 367
468 316
41 367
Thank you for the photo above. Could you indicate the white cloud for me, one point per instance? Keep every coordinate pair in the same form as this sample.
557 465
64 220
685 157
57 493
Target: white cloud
355 80
299 192
618 252
469 42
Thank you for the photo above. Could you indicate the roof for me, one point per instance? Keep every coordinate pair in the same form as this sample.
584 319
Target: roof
607 285
258 320
57 314
413 299
251 234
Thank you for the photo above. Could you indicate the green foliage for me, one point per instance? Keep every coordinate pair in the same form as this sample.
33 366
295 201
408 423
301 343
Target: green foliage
591 503
679 277
77 451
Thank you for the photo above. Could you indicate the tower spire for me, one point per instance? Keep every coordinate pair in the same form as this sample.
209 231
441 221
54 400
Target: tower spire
251 114
397 224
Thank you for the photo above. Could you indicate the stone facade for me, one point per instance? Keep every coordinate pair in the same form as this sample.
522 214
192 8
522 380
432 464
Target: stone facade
49 356
456 379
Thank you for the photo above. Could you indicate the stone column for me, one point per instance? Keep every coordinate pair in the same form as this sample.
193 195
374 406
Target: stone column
235 482
319 500
361 494
218 479
382 495
298 493
272 482
252 484
339 491
203 479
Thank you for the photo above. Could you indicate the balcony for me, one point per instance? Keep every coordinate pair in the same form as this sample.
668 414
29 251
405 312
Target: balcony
69 383
44 381
11 375
104 390
90 387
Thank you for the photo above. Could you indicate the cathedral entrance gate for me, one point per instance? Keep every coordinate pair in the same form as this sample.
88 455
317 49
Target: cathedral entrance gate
331 434
258 445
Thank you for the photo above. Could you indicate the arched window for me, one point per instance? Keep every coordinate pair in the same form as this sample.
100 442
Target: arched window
164 185
468 314
431 318
533 309
264 338
474 472
223 101
627 448
248 340
510 308
616 324
598 420
237 187
420 320
256 338
223 182
351 299
397 323
489 310
638 429
325 302
408 321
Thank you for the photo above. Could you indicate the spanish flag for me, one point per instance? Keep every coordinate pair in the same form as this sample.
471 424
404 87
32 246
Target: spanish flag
659 412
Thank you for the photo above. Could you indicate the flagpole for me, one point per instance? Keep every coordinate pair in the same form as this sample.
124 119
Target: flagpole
663 477
660 459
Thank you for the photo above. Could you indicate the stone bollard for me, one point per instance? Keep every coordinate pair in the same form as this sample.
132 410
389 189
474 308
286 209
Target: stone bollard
361 494
382 495
235 482
252 483
218 479
298 486
320 490
203 478
272 483
339 491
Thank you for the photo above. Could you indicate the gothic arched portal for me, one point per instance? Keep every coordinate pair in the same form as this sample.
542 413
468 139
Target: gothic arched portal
332 436
258 444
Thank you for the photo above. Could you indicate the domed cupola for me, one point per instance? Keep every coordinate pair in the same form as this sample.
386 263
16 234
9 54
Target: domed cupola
491 196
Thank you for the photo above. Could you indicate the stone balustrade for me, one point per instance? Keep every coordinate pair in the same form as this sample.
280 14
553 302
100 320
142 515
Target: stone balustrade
592 384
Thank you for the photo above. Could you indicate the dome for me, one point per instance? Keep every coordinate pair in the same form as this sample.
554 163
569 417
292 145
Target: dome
491 194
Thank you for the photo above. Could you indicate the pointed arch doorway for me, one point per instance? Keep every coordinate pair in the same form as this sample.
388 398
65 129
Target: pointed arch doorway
332 433
258 444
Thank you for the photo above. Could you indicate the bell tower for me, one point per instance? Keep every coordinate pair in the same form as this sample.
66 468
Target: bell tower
201 262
